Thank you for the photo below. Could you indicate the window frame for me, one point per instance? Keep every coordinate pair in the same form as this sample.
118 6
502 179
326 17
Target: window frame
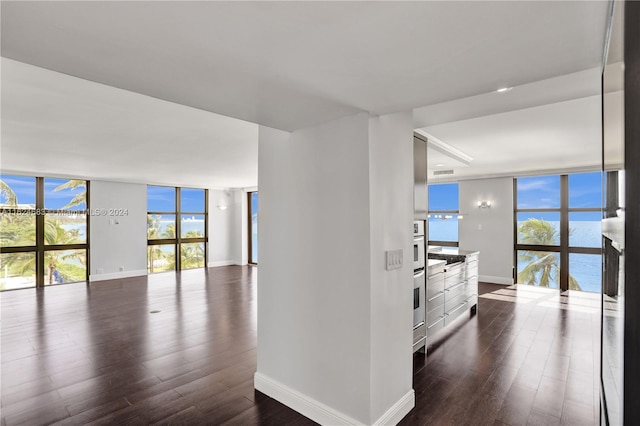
178 240
40 248
251 261
445 212
563 247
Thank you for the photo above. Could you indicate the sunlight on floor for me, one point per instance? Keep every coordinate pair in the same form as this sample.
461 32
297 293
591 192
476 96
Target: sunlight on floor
572 300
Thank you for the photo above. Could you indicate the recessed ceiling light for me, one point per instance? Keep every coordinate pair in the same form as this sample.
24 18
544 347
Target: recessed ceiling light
504 89
439 165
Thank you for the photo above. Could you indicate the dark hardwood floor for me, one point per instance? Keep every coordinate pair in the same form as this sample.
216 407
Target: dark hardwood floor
529 357
78 354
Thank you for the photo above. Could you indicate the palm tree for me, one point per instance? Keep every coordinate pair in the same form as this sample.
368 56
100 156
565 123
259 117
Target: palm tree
542 267
8 194
60 265
155 252
19 230
80 198
192 254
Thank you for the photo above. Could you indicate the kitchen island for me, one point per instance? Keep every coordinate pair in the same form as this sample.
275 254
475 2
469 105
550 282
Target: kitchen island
452 286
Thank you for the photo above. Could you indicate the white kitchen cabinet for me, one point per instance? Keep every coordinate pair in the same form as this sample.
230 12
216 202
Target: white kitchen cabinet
435 297
471 276
452 289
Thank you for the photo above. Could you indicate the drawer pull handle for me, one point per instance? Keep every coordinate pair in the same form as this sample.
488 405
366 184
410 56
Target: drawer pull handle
441 318
456 308
440 293
456 286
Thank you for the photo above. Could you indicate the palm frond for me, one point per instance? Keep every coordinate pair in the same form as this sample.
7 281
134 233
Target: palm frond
8 194
71 184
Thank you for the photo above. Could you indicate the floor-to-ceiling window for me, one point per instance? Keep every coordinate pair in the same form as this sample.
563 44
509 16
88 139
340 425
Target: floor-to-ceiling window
253 227
177 230
443 214
44 231
558 231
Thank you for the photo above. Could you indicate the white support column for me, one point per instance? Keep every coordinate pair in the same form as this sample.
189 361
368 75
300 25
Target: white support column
334 328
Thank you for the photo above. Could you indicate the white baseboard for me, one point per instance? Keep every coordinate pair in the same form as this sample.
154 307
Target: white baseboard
321 413
398 410
495 280
315 410
117 275
220 263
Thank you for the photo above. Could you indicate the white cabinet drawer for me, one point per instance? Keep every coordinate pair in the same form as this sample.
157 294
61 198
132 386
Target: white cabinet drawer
460 309
472 300
434 315
453 278
451 303
435 285
436 326
472 268
454 291
434 301
472 286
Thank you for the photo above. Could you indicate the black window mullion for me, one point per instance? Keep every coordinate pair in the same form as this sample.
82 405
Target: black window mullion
585 250
535 247
178 232
39 232
18 249
88 231
250 227
514 268
58 247
564 232
549 210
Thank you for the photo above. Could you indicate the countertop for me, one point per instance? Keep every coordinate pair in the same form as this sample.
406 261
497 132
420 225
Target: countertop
452 251
450 254
434 264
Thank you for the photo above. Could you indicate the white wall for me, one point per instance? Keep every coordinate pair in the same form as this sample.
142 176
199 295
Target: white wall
118 243
489 230
324 226
391 203
221 229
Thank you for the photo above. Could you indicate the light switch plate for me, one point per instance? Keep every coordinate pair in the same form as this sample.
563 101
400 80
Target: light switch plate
394 259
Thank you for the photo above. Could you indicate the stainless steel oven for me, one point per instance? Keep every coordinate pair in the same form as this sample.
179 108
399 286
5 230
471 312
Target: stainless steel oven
419 286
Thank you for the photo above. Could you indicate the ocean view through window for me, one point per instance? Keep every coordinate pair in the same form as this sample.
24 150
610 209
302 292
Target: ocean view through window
177 229
443 214
558 230
253 226
43 231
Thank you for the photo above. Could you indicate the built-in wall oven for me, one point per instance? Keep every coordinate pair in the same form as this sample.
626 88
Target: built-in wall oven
419 286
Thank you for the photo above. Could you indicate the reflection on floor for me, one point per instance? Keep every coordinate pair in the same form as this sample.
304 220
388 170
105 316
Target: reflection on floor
181 349
530 356
578 301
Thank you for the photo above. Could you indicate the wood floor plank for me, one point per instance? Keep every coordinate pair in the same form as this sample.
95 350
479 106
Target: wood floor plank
95 354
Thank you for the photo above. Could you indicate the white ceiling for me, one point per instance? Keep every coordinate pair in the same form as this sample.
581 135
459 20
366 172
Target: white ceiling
61 125
564 136
282 64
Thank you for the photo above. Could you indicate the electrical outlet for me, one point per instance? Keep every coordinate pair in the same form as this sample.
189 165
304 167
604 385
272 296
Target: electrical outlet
394 259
